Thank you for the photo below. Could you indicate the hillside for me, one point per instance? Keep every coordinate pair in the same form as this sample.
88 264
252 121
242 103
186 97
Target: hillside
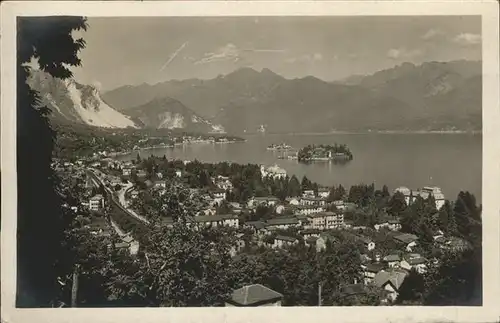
430 96
167 113
204 97
70 101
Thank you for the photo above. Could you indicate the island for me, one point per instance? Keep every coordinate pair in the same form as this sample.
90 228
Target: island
337 152
282 146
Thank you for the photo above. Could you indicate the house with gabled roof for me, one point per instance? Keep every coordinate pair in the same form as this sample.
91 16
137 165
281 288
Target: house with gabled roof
392 260
407 240
254 295
390 281
414 261
281 241
370 270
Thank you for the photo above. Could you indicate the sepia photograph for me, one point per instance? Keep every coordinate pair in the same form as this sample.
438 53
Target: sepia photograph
248 161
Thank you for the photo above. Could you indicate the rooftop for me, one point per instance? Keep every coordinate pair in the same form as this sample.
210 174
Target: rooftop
282 220
406 238
214 218
252 295
390 258
374 267
395 277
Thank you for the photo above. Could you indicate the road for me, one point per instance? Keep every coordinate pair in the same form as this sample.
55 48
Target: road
121 203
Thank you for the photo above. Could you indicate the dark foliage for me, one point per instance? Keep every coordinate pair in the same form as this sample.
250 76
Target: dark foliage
40 220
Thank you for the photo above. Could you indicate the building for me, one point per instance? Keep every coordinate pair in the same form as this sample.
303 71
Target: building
96 202
370 271
311 200
218 195
293 200
308 193
323 239
222 182
323 192
160 184
267 201
273 171
310 233
258 227
230 220
281 241
325 220
340 205
127 171
392 224
390 281
309 209
392 260
280 209
367 242
414 261
254 295
283 222
407 240
425 192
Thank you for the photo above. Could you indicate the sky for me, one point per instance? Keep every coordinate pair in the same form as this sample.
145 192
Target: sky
134 50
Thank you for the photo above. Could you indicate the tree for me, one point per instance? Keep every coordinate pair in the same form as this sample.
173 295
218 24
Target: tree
457 281
385 191
306 184
294 187
182 267
412 289
39 237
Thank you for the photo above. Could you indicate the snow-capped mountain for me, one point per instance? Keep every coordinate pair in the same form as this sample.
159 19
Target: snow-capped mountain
75 102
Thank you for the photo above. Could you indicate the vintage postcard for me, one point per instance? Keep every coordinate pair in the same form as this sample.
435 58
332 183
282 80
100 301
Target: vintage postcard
337 159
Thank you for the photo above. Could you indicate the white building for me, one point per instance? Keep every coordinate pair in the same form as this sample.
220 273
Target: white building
323 192
273 171
325 220
283 241
230 220
425 192
96 202
309 209
160 184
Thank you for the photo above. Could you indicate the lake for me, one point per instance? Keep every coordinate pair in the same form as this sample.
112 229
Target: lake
450 161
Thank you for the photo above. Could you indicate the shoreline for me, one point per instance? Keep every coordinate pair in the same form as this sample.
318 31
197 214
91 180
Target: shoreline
130 152
382 132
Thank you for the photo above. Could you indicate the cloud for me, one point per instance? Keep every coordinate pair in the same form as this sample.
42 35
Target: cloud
402 53
232 52
431 33
306 58
467 39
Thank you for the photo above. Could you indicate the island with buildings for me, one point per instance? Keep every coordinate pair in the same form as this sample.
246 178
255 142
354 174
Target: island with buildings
336 152
278 147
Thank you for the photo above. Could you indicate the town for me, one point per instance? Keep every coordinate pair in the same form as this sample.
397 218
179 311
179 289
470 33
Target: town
278 214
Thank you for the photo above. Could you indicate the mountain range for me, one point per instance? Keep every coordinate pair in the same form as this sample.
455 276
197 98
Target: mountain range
407 97
73 102
433 96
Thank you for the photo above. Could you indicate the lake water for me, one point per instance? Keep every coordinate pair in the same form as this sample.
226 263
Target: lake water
450 161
